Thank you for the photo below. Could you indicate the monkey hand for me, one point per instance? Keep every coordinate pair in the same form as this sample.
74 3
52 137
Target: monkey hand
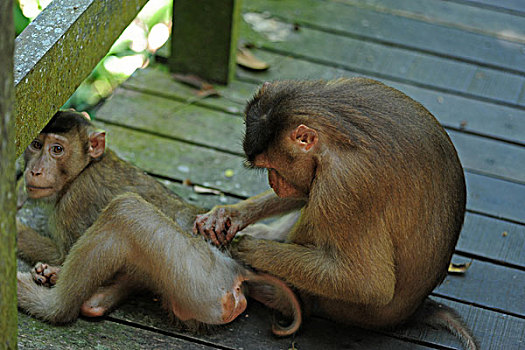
220 224
45 275
244 248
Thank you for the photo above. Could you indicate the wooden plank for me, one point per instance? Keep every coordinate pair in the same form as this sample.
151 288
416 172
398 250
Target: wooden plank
235 94
8 312
251 330
405 32
456 15
100 334
395 64
493 239
181 161
451 109
495 197
492 329
490 157
503 287
174 119
512 6
57 51
204 40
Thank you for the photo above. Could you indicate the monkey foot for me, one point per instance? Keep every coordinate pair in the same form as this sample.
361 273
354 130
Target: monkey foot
45 275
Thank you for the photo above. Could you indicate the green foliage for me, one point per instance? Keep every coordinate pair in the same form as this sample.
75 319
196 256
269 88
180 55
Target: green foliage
132 50
21 21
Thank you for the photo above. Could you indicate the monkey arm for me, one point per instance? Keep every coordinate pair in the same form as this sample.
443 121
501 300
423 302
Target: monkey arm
33 247
348 276
223 222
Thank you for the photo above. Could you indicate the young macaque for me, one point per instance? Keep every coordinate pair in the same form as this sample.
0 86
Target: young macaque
381 193
115 229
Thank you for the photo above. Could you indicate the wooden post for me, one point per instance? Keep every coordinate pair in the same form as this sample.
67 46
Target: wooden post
204 39
8 310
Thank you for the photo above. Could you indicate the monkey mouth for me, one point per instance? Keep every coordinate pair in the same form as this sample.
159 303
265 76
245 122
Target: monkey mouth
36 192
37 188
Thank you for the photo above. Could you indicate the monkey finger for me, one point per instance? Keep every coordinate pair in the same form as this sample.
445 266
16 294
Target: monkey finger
213 238
230 235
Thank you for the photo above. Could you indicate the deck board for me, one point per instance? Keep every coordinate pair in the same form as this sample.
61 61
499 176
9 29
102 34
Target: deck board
464 60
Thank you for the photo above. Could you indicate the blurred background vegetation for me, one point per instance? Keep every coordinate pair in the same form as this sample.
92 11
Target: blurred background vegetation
134 49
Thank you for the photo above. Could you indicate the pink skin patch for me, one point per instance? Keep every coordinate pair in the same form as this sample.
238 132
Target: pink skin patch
233 303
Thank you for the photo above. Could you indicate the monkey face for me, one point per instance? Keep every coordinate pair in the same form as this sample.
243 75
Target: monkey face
51 161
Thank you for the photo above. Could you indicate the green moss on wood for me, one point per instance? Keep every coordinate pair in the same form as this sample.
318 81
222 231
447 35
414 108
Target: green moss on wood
7 182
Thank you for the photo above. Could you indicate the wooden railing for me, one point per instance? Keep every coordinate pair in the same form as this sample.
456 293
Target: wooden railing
53 55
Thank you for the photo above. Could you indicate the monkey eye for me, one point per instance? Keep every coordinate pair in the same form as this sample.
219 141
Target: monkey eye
37 145
57 150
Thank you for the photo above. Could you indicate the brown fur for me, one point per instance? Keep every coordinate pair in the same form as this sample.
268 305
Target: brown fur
116 230
383 192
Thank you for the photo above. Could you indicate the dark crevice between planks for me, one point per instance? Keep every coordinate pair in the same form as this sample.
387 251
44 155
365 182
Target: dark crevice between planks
489 260
387 43
484 307
474 133
497 217
167 333
491 7
381 76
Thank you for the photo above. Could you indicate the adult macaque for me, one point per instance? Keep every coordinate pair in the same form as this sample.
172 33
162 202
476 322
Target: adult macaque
382 198
115 229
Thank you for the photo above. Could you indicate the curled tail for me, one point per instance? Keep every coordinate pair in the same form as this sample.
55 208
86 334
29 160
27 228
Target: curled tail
277 295
439 315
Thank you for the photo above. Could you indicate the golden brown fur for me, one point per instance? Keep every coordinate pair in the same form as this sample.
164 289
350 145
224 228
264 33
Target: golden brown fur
383 193
115 230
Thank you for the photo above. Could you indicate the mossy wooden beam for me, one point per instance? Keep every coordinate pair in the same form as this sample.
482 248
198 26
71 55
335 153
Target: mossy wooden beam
8 312
57 51
204 38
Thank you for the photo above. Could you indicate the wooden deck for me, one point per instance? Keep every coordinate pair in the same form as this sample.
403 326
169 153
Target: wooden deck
463 59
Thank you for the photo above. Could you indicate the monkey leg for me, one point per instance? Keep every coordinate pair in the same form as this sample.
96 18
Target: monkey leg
197 280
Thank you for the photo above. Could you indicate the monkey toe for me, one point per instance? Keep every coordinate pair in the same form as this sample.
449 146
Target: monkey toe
45 275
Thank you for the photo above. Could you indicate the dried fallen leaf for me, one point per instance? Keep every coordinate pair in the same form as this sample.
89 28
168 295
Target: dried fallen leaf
205 89
458 269
187 182
205 190
247 60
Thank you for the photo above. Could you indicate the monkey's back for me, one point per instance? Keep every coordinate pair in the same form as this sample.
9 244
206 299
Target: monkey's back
418 170
391 168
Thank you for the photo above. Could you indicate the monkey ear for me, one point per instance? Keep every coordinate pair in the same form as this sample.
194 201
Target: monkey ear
97 143
304 137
